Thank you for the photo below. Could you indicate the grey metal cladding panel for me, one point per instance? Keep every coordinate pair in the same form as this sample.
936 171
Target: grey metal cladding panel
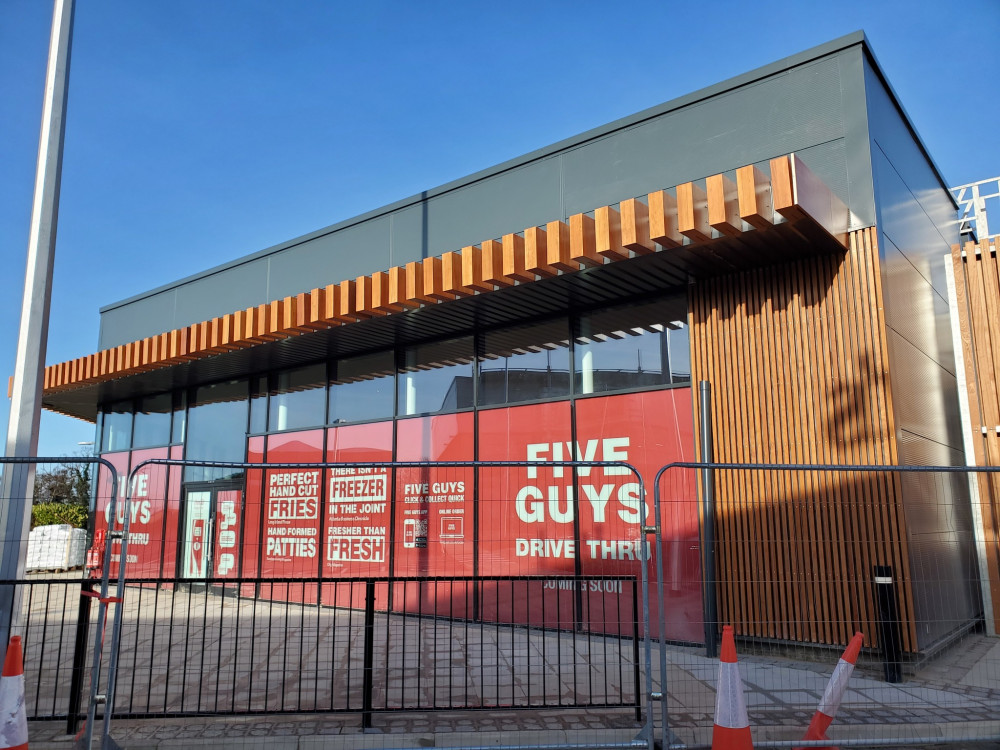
923 394
220 294
908 225
940 539
509 202
890 133
914 309
137 320
355 251
861 187
787 112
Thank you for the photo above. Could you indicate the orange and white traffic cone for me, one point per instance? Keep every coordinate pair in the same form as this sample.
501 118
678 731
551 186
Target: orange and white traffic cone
834 692
13 720
732 725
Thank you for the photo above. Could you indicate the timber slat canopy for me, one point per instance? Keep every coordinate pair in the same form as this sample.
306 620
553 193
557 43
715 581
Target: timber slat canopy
695 232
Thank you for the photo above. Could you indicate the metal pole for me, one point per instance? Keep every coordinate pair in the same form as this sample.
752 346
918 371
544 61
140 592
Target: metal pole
368 672
708 523
889 636
79 657
26 401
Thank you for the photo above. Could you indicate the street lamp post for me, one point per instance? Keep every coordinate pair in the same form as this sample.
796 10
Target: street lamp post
26 397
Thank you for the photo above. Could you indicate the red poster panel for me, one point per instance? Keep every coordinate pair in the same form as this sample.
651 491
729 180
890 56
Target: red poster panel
292 500
647 430
105 491
171 524
252 535
355 539
434 514
147 511
526 514
227 534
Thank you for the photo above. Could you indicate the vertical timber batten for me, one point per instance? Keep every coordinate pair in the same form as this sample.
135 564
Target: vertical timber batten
977 292
797 357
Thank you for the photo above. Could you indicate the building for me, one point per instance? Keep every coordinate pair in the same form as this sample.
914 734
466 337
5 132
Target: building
780 235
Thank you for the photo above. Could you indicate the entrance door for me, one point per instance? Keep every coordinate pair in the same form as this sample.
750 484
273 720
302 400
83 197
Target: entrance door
210 531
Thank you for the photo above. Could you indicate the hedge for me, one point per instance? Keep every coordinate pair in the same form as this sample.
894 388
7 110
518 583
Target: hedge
47 514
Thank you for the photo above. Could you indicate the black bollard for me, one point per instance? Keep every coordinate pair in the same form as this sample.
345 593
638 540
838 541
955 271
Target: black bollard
889 636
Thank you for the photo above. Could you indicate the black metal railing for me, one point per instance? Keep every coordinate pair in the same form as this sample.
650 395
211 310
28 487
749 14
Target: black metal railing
55 637
322 645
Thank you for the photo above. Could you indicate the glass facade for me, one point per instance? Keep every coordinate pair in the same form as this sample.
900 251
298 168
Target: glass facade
217 428
297 399
596 386
611 350
630 347
526 363
435 378
152 421
362 388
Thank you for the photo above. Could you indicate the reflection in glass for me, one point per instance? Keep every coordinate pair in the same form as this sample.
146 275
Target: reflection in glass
117 427
298 398
524 364
361 388
217 429
436 377
632 346
152 421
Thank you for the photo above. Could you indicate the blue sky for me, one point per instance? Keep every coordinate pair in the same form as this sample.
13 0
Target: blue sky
198 131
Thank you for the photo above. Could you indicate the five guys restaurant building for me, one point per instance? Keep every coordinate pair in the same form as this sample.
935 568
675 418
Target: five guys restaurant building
781 236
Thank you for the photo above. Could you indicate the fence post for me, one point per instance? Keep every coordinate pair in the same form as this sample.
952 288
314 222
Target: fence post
708 523
635 649
79 656
369 655
888 624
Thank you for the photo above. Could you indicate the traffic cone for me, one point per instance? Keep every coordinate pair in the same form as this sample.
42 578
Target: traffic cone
13 720
732 725
834 692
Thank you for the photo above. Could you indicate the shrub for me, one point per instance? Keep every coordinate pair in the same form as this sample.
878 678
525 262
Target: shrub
48 514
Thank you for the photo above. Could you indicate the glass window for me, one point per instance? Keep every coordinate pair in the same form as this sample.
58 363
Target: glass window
152 421
632 346
117 428
436 377
179 426
258 405
297 398
216 429
524 364
362 388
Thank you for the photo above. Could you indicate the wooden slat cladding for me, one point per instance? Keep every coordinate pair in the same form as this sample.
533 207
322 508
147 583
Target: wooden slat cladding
613 234
796 356
977 292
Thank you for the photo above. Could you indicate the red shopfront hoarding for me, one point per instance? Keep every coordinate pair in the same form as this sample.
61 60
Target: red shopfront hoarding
147 510
435 514
253 509
526 524
647 430
292 500
536 522
105 491
171 529
355 536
